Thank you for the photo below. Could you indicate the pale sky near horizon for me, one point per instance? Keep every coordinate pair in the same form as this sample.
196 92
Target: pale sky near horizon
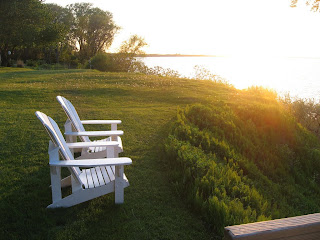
217 27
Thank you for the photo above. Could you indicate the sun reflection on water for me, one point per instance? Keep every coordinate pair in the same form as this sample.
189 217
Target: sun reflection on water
298 76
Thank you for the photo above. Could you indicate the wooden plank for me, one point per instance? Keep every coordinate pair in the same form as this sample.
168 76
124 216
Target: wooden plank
94 177
99 175
55 174
286 228
110 173
307 236
105 175
102 146
119 185
95 133
83 177
99 148
100 121
111 152
98 162
91 144
89 178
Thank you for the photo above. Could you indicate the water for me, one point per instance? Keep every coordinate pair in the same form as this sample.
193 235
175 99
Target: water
300 77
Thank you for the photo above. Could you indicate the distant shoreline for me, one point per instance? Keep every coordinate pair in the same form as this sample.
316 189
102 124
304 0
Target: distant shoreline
175 55
202 55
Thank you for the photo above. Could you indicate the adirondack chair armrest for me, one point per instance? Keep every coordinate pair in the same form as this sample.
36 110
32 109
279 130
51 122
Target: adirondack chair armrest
92 144
92 162
100 121
95 133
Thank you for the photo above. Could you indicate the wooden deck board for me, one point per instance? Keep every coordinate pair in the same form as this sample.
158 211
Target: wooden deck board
301 227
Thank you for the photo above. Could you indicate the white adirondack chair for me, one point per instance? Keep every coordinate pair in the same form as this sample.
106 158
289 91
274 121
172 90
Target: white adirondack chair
90 178
74 128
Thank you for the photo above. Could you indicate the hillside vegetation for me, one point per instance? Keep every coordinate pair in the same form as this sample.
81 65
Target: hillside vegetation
245 160
231 156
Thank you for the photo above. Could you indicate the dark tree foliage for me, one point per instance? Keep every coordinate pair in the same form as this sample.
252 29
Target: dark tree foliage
93 29
23 24
32 30
61 49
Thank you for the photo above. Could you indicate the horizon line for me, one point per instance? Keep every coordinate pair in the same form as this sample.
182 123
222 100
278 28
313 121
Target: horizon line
223 55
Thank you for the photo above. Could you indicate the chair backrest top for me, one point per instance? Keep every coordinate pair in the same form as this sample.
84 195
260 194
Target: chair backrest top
73 116
57 139
55 135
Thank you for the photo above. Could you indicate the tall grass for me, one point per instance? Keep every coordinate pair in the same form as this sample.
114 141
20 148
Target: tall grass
245 160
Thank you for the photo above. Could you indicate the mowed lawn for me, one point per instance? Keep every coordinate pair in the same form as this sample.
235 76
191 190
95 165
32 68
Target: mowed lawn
146 105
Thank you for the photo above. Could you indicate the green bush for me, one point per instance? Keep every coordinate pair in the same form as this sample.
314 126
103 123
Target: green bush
101 62
117 62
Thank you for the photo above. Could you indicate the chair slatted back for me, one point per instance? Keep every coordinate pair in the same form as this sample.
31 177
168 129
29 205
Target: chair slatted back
73 116
57 139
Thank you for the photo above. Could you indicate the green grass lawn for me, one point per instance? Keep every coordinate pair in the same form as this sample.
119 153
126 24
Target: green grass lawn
145 104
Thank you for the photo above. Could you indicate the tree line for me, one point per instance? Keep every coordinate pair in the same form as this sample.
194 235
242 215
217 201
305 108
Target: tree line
32 31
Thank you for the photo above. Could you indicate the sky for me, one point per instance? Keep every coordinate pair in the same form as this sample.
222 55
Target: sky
216 27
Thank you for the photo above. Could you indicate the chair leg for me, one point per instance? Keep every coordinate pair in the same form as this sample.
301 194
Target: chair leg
55 173
119 185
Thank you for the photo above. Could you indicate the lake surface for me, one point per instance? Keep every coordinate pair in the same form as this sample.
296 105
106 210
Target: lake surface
300 77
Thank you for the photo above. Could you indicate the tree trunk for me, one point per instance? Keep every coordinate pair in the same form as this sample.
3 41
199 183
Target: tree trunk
57 52
4 56
4 59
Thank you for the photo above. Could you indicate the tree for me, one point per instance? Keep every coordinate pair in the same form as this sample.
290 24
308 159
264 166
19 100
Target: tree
133 46
123 61
93 30
23 24
315 4
126 58
63 19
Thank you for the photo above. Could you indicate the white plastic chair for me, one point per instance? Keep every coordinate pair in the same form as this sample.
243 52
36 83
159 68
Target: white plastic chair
89 178
74 128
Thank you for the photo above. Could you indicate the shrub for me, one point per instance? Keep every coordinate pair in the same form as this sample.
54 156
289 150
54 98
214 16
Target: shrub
117 62
244 162
101 62
160 71
306 111
20 63
125 60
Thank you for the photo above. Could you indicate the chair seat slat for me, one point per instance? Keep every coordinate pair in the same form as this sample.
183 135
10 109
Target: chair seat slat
94 177
110 173
100 177
98 149
89 178
105 175
84 179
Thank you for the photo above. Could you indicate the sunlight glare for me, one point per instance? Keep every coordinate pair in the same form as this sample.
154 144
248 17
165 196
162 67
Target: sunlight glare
215 27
